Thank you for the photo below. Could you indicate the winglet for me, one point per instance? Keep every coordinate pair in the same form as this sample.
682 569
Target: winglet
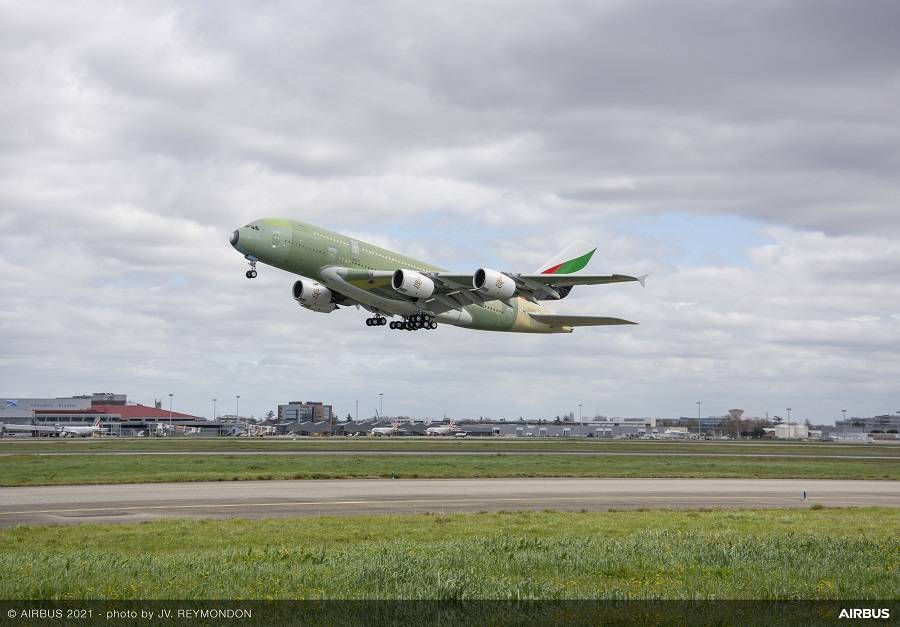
641 279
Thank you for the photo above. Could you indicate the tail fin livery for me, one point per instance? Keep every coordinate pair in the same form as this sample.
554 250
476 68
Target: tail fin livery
573 258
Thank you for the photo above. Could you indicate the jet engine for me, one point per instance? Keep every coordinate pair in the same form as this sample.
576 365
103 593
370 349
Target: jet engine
314 296
494 284
412 284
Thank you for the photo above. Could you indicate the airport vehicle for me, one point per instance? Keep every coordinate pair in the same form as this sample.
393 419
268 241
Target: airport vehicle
447 429
33 430
394 429
339 271
84 432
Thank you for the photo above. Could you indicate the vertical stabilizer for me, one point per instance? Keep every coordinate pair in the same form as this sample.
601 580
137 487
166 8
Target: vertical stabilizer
573 258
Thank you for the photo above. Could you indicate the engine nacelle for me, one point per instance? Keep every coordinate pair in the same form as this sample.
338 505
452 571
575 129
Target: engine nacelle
494 284
314 296
412 284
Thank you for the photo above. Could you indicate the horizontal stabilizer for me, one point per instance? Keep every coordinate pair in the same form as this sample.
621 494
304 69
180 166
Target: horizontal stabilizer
577 321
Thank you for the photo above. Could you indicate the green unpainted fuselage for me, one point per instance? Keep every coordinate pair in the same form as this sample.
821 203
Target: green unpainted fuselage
320 254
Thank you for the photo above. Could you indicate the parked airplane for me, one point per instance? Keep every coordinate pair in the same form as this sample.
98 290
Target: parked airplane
394 429
82 431
339 271
669 434
443 429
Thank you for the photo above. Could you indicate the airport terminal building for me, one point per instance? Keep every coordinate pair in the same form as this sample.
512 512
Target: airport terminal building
23 410
113 411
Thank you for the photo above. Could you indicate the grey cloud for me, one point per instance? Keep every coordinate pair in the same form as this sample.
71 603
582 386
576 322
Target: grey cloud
140 136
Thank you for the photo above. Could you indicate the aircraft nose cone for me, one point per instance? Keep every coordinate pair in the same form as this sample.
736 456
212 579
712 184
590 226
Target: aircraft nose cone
234 238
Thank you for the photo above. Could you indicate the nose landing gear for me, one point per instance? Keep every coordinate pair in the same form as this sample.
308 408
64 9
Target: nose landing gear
251 273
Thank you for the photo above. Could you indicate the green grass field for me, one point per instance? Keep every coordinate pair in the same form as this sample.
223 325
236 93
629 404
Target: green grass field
175 444
755 554
86 469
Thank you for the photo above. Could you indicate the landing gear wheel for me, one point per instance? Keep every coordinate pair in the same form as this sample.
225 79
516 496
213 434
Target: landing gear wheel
368 322
432 326
382 322
251 273
393 326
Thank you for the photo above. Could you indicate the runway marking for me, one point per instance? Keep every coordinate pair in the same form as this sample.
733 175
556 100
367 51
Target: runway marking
772 498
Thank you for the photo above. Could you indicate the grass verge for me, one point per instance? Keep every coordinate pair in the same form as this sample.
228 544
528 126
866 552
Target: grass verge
20 470
188 444
751 554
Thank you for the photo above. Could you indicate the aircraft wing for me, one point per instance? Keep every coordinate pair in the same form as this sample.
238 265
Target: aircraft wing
454 290
577 321
534 287
451 290
571 280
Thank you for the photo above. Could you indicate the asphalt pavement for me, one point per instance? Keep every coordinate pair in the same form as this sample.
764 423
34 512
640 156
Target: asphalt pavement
270 499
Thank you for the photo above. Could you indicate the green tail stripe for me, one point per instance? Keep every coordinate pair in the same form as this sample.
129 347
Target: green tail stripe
574 265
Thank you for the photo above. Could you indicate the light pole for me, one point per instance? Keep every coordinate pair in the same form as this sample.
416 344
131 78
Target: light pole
237 407
381 405
356 415
214 408
580 421
699 404
170 410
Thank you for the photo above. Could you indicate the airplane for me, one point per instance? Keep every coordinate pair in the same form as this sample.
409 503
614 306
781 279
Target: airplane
443 429
82 431
668 434
339 271
389 431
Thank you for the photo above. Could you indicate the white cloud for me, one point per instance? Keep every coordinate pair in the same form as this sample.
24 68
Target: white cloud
138 137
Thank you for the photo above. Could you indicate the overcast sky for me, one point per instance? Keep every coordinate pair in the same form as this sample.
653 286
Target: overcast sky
746 155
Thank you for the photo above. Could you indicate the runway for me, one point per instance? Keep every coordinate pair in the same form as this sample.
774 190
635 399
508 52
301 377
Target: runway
272 499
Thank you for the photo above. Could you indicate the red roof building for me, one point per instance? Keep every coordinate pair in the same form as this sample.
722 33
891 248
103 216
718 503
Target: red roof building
142 412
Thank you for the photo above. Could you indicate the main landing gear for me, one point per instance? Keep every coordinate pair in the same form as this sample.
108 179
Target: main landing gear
415 322
409 323
251 273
